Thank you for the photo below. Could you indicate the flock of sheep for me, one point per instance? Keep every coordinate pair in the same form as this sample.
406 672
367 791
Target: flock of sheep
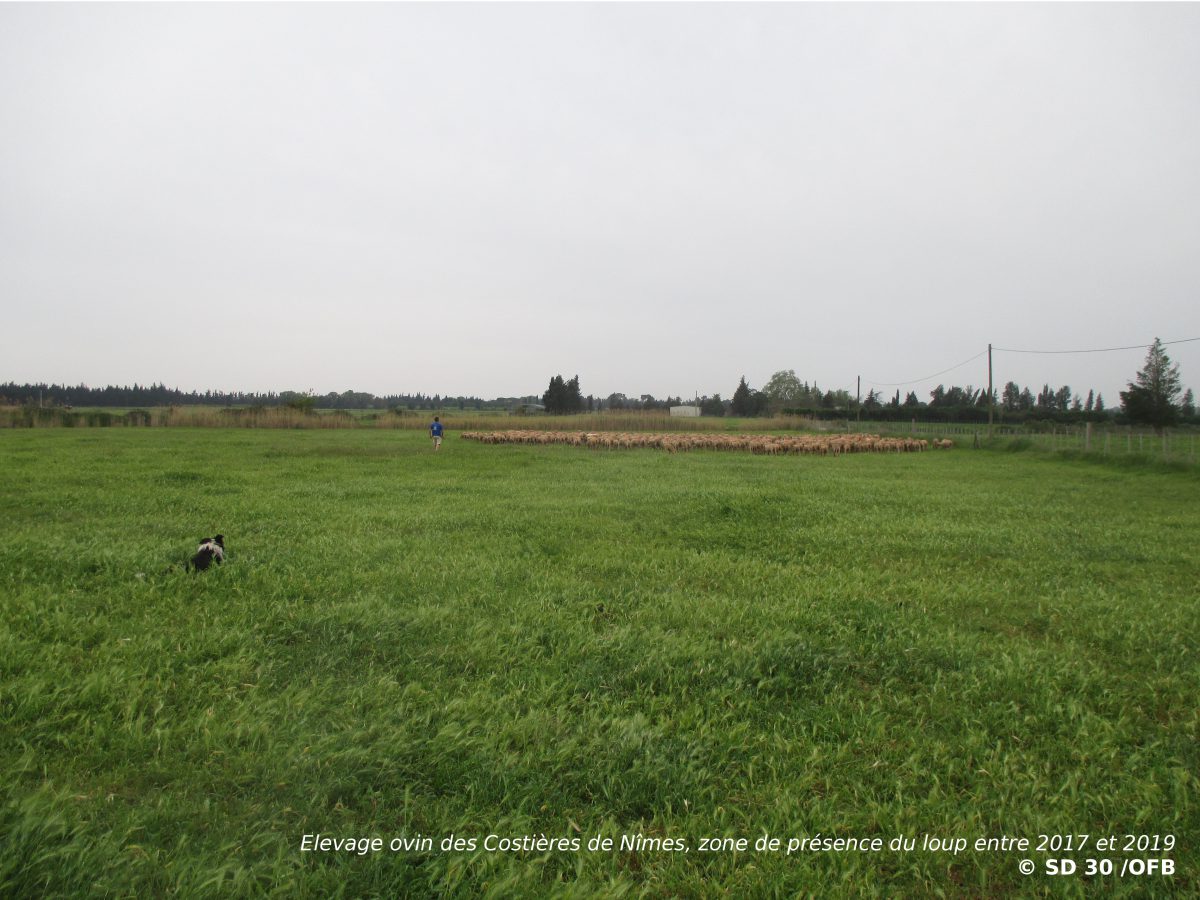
821 445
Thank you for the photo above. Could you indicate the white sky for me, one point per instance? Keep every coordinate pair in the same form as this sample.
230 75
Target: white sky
469 199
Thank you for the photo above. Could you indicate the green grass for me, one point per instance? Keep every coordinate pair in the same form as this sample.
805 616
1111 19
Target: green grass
549 640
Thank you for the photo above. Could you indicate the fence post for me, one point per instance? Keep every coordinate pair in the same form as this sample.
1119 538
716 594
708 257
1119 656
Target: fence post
1087 438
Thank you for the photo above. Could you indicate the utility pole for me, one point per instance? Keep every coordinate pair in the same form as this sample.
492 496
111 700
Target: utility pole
858 398
991 395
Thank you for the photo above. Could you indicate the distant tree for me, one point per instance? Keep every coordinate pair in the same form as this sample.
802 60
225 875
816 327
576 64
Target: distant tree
1062 398
712 406
1076 404
911 400
1026 402
1099 403
743 400
872 402
956 396
784 389
563 396
839 399
1090 403
553 398
1153 396
1187 406
894 403
305 403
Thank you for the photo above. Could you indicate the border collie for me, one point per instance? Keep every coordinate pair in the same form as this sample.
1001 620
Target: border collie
210 550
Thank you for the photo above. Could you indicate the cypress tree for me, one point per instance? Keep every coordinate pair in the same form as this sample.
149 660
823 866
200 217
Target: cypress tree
1153 395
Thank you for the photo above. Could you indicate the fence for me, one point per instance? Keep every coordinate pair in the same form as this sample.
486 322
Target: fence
1172 445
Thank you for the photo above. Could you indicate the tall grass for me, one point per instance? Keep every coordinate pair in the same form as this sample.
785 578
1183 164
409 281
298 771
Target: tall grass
258 417
546 640
286 417
1176 447
631 420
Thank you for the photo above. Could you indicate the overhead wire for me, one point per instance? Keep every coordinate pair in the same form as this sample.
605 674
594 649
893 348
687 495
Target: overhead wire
1012 350
927 377
1099 349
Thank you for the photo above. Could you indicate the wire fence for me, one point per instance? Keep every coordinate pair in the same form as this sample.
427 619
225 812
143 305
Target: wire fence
1175 445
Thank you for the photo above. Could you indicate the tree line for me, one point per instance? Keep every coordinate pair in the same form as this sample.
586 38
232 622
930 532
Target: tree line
137 395
564 397
1155 397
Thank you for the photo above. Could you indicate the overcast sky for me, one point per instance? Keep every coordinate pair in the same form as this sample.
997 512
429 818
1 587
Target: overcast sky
469 199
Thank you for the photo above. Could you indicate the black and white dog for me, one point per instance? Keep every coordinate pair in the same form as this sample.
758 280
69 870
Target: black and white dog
210 550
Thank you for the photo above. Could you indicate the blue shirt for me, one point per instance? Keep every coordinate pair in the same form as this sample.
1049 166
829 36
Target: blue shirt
436 429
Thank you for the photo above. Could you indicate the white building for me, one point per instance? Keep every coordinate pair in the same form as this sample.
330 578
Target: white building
685 410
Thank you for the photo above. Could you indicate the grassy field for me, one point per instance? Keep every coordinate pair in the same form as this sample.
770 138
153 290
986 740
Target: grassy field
561 643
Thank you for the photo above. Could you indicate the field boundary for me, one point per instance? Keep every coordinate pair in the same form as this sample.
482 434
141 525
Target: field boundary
1175 446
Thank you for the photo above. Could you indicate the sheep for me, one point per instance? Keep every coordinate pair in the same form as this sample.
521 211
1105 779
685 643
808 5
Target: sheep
766 445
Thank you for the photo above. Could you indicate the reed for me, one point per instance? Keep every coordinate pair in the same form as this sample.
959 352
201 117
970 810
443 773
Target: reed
455 420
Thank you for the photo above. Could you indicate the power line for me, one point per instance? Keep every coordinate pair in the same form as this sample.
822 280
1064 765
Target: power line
1011 350
1098 350
927 377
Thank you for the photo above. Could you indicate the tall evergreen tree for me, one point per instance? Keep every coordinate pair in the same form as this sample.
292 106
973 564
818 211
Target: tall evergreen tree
1154 393
573 396
1062 398
563 397
554 398
743 401
1011 398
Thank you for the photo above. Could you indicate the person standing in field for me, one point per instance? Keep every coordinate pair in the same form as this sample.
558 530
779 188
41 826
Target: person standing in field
435 432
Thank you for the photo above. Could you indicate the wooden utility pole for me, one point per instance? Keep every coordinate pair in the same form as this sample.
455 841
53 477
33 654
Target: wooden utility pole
991 396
